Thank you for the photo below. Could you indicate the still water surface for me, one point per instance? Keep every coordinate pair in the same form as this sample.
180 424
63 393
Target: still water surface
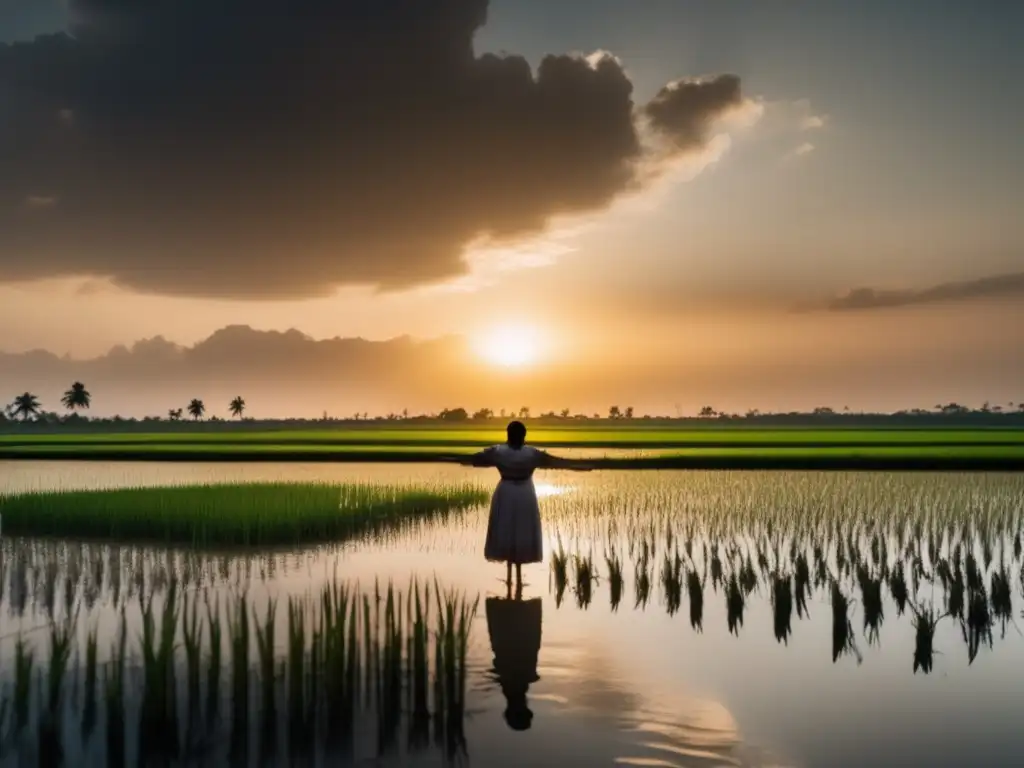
645 680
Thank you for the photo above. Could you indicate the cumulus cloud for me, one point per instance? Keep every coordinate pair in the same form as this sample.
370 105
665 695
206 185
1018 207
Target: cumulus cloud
281 148
995 286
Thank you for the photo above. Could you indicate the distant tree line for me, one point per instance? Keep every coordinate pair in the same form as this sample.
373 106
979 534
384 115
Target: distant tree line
27 409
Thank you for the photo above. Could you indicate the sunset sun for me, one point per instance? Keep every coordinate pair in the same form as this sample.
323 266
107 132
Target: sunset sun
511 347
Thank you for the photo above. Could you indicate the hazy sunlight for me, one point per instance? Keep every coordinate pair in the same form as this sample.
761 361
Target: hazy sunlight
509 346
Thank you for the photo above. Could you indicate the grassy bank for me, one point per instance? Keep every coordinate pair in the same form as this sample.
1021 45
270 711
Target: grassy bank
562 437
259 514
1003 458
626 447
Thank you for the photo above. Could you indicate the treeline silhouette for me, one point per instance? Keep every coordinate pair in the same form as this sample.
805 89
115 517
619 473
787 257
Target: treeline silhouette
27 411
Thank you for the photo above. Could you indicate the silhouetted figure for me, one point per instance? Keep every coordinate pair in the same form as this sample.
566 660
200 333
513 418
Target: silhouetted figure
513 531
514 626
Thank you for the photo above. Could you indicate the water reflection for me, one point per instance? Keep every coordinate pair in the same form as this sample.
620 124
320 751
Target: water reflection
638 664
514 627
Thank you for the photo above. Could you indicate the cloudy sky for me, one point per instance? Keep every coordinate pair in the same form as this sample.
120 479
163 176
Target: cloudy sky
659 202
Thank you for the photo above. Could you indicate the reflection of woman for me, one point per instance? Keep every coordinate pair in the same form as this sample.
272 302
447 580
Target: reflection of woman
515 629
513 531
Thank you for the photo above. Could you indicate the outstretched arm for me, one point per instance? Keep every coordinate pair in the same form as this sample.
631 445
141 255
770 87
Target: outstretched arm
484 458
558 462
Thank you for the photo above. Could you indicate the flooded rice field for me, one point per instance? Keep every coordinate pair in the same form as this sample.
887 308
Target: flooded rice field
679 619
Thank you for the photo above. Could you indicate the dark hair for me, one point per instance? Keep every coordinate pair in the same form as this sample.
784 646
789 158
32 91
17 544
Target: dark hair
516 431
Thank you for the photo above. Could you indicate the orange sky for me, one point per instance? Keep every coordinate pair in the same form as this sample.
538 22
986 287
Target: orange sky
718 211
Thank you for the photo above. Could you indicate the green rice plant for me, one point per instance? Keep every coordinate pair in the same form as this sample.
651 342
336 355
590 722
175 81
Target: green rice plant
255 514
455 620
419 669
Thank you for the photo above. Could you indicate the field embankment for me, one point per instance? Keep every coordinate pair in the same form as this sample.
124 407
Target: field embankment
627 447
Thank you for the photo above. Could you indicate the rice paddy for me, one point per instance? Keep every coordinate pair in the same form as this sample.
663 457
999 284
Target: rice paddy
257 514
872 595
208 680
624 447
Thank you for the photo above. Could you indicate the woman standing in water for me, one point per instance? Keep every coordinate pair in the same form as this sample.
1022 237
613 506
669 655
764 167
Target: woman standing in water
513 531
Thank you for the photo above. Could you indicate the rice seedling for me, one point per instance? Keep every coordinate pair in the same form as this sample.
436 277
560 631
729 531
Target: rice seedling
49 732
586 575
238 640
672 582
560 571
267 671
871 601
642 578
802 584
842 631
734 604
89 705
925 623
158 720
782 604
213 666
613 563
317 681
255 514
978 627
114 698
695 592
1002 599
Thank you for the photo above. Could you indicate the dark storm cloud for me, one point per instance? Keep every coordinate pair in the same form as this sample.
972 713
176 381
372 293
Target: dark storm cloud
996 286
684 110
279 148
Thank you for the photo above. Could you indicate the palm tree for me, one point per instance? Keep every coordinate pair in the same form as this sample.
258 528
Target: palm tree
77 397
196 409
237 406
26 405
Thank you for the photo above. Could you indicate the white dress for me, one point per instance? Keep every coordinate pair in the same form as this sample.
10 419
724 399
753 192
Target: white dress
513 531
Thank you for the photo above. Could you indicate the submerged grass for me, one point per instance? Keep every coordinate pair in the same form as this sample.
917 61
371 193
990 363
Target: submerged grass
230 514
